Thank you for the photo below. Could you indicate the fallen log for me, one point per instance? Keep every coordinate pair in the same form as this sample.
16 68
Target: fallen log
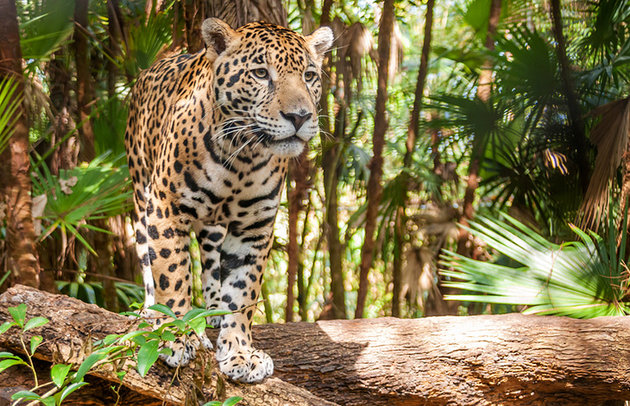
476 360
509 359
74 325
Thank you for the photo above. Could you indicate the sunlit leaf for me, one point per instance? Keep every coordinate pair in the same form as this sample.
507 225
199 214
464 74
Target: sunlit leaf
147 355
35 322
58 373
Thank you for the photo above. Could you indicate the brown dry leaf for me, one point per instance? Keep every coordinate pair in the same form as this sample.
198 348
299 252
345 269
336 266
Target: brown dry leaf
610 136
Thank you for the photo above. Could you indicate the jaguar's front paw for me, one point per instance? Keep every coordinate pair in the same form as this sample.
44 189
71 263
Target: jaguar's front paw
245 364
184 349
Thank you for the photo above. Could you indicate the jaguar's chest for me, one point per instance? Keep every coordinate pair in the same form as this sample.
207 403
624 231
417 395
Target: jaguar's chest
225 193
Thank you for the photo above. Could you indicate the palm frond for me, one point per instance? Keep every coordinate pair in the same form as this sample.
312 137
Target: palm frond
88 192
146 41
47 25
580 279
9 105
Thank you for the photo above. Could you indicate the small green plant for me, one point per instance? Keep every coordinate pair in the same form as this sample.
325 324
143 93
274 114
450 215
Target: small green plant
141 347
62 384
147 343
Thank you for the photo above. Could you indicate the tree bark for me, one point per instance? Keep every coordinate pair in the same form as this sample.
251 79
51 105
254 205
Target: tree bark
85 93
484 87
16 183
374 187
476 360
74 324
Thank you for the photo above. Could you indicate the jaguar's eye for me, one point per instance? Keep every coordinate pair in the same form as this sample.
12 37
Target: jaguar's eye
261 73
309 75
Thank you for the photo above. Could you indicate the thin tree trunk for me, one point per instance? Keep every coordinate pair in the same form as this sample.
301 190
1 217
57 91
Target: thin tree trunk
381 122
330 167
575 113
60 78
412 134
484 88
66 153
16 184
296 192
104 263
115 37
85 93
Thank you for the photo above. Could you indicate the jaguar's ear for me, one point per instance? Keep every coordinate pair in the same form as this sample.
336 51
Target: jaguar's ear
320 41
218 36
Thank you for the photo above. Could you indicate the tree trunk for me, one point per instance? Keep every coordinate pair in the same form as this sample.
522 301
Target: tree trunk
374 187
336 309
115 29
240 12
575 113
85 93
412 135
297 187
65 155
484 88
16 183
476 360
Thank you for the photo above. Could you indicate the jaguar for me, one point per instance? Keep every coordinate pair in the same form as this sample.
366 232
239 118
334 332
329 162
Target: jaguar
208 139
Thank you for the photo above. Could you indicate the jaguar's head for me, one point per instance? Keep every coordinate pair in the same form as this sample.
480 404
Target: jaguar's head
267 82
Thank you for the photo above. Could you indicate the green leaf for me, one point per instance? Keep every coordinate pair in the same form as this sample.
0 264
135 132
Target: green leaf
58 373
197 313
71 388
51 401
212 403
147 355
8 363
232 401
25 395
198 325
163 309
6 326
35 342
18 313
168 336
87 364
35 322
166 351
131 335
110 339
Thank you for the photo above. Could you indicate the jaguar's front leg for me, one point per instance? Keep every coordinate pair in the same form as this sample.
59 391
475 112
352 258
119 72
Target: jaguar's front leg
243 259
168 240
210 239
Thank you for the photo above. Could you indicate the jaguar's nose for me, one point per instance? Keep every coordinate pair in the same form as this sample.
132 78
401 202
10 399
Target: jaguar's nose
296 119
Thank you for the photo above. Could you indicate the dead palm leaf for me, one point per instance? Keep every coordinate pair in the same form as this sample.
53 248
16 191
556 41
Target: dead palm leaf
610 136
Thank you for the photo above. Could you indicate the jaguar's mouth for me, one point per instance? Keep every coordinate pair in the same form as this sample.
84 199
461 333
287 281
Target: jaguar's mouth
271 140
291 139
